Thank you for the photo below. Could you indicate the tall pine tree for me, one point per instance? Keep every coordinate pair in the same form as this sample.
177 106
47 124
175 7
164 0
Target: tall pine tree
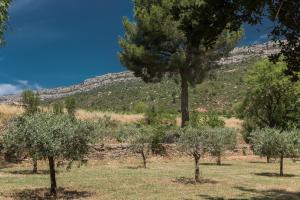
176 38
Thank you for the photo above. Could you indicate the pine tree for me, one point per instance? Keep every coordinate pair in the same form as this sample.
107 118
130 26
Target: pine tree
4 5
167 39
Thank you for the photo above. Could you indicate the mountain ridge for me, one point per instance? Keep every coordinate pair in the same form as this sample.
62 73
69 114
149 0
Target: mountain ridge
236 56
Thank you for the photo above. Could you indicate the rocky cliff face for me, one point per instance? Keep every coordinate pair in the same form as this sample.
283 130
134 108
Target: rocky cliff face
238 55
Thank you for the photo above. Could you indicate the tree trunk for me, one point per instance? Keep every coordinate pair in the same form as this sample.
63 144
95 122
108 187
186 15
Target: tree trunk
268 159
281 165
197 168
219 160
53 189
34 163
144 160
184 99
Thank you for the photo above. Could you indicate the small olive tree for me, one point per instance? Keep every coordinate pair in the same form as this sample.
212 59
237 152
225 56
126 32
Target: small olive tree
52 137
193 142
275 143
220 140
140 140
31 103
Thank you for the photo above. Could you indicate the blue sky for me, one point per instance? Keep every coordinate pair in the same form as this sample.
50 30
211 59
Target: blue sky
52 43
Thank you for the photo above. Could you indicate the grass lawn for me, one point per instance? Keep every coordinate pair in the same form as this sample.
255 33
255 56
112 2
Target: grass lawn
249 178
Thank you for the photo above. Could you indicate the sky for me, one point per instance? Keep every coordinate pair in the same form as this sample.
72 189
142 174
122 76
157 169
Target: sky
51 43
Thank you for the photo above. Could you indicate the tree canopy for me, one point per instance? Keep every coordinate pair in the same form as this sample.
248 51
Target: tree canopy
50 136
272 98
274 143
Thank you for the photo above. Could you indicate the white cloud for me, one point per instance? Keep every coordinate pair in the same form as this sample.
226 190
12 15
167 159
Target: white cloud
6 89
262 37
21 85
23 82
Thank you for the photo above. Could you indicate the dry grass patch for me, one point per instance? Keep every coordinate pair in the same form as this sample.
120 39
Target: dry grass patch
124 118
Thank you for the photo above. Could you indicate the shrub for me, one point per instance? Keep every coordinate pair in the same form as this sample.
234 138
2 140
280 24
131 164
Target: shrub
201 119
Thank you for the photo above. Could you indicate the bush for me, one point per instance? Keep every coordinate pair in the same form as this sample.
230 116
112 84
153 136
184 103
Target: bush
211 119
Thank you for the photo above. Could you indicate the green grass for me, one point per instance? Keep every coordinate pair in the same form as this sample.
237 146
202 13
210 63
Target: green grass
164 179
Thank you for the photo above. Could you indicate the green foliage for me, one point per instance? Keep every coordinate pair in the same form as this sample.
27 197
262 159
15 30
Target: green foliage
4 7
163 42
218 93
220 140
140 107
31 101
272 98
273 143
140 139
70 104
193 140
58 108
155 116
45 135
202 119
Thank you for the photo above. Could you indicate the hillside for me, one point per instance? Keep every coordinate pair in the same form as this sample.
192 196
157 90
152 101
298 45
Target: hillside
220 91
122 92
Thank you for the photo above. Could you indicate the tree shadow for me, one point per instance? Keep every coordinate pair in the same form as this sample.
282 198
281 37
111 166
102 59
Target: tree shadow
44 194
136 167
274 194
28 172
259 162
269 174
215 164
187 181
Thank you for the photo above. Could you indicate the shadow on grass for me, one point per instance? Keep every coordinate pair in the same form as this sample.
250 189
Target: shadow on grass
29 172
215 164
274 194
44 194
268 174
136 167
259 162
187 181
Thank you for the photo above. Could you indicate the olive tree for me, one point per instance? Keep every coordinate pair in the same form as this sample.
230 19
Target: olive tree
140 140
275 143
193 142
31 103
220 140
52 137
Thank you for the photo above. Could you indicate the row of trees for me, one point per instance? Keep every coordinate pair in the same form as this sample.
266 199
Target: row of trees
206 135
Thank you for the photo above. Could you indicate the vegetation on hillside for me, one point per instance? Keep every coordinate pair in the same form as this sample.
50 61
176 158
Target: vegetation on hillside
220 91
